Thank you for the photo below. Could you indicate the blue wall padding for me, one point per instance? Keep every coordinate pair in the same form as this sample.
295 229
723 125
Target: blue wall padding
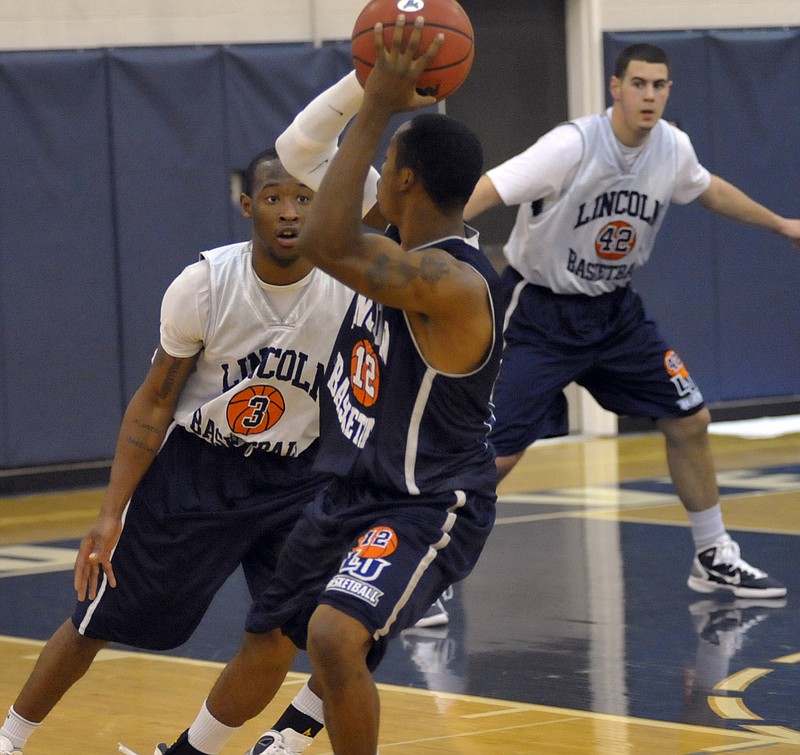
115 174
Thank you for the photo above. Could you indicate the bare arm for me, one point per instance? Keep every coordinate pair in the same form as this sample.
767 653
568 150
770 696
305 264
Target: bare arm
484 197
141 433
725 199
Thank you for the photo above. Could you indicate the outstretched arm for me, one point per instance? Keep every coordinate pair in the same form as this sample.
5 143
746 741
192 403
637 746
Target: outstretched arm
726 199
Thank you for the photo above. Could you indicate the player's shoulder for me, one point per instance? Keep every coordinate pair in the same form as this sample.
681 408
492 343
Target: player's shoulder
223 253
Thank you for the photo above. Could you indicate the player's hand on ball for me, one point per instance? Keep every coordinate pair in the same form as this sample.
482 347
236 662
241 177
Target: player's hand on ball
398 67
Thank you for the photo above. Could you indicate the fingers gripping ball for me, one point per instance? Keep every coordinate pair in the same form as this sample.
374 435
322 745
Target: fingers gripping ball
448 70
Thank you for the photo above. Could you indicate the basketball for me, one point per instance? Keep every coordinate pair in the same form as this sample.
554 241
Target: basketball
255 409
448 70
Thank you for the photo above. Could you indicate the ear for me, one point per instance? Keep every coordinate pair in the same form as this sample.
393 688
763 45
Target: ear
246 204
614 87
405 179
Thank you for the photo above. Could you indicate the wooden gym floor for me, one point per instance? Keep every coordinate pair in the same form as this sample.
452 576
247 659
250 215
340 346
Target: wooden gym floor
575 634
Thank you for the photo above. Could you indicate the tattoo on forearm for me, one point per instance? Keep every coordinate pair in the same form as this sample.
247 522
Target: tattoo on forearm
136 443
142 441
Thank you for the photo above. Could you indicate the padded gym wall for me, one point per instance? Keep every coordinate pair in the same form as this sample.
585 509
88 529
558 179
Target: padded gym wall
116 173
723 292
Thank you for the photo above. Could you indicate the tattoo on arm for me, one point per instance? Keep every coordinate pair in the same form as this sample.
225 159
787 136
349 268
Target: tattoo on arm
385 274
136 443
142 442
168 384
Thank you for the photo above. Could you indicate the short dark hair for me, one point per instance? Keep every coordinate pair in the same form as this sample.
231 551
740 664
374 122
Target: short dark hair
643 51
249 176
445 154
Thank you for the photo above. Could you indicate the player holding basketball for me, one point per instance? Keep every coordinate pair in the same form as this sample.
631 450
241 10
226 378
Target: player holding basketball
404 421
572 315
214 456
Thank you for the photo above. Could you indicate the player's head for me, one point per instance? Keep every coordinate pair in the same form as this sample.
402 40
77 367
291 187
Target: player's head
642 51
258 162
640 89
277 204
445 155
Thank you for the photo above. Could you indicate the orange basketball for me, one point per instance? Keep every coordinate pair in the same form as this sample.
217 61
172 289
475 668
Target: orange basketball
255 409
448 70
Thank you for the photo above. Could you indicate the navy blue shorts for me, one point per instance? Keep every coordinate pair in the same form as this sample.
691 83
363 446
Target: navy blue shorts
198 513
381 560
605 343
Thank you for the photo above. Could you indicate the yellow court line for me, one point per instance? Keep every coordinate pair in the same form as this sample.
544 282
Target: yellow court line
741 680
509 707
793 658
731 707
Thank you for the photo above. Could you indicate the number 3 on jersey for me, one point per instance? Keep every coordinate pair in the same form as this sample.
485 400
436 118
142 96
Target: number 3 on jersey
365 373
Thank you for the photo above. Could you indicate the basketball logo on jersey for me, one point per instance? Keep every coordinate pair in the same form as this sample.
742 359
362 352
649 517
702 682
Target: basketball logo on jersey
255 409
410 6
377 543
688 392
365 376
615 240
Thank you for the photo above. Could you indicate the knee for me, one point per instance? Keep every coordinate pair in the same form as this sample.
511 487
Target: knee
684 429
266 652
336 641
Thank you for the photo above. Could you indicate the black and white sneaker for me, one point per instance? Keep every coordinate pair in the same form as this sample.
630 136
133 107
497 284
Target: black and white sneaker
721 567
286 742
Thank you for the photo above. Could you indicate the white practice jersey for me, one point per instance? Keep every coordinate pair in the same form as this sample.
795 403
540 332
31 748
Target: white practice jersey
590 209
263 350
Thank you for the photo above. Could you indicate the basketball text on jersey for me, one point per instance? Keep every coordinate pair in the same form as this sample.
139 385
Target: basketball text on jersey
262 401
597 271
355 425
361 383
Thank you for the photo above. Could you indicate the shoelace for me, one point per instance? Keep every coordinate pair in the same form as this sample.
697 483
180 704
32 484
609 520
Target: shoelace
729 553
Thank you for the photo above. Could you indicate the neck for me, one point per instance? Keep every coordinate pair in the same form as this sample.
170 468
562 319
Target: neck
626 135
419 227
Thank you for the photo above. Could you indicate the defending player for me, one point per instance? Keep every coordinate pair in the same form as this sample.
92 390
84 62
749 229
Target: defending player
213 463
593 194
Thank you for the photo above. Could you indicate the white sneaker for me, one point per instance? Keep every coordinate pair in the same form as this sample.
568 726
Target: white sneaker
721 567
286 742
6 748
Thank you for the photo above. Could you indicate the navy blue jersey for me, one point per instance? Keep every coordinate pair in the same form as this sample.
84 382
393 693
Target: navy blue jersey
393 421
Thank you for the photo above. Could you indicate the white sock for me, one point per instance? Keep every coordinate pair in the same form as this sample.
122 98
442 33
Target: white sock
707 526
307 702
17 728
209 735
